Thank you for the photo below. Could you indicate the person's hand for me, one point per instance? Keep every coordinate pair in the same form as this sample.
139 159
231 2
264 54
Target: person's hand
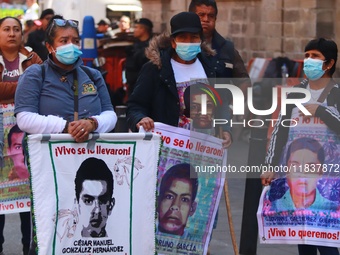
227 141
266 178
80 130
147 123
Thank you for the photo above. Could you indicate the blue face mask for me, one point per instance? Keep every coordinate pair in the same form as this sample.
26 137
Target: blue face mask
188 51
68 54
313 68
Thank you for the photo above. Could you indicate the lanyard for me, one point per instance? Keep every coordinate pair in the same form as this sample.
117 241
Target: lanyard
75 94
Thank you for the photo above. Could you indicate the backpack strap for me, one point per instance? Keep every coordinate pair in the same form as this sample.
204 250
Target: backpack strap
326 91
88 72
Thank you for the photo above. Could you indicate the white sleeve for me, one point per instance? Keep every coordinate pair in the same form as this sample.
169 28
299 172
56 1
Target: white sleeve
106 121
33 123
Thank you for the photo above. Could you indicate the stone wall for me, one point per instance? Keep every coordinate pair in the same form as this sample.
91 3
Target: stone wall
262 28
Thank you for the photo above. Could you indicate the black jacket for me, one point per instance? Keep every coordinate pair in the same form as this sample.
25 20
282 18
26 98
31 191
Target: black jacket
135 59
230 63
280 133
36 40
155 94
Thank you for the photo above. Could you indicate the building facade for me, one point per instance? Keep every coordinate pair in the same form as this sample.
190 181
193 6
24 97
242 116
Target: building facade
262 28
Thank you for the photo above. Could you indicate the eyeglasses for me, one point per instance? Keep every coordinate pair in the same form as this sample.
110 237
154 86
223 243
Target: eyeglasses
63 22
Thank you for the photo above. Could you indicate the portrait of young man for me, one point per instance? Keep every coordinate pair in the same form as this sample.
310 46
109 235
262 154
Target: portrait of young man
15 151
94 194
176 200
304 157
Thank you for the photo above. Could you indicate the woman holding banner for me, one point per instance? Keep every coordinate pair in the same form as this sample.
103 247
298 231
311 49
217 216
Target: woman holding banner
14 59
324 121
62 95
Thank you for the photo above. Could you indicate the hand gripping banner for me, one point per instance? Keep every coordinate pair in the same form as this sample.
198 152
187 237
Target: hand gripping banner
190 184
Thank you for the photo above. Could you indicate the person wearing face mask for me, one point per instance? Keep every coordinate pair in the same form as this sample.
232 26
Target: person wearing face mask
14 60
46 94
319 66
176 62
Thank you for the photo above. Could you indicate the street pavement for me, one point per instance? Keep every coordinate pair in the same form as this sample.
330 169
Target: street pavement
221 243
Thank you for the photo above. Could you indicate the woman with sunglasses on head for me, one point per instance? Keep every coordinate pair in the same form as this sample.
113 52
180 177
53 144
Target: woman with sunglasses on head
14 59
62 95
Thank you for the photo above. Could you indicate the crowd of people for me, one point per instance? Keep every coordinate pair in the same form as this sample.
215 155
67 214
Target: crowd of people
166 76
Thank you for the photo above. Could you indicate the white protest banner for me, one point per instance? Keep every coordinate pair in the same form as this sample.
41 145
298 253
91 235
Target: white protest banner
14 182
302 206
94 200
190 184
316 226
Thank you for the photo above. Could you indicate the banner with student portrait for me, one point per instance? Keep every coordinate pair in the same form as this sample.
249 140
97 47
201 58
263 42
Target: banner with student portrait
302 206
96 197
187 205
14 182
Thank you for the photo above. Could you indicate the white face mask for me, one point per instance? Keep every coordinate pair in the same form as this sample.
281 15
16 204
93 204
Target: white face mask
188 51
313 68
68 54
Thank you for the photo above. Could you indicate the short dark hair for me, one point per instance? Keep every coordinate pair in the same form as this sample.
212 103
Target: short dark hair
51 29
328 48
146 23
194 3
179 171
9 17
309 144
46 12
29 23
14 130
93 169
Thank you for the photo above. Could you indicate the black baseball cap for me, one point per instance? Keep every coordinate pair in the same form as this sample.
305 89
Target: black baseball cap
145 22
185 22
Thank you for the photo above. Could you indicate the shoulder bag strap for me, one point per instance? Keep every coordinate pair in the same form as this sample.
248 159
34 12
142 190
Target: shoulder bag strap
326 91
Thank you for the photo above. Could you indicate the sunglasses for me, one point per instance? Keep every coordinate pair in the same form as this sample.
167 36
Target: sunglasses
63 22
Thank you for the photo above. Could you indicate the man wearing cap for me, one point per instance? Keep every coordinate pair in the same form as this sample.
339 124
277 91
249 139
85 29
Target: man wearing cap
176 62
36 39
135 54
103 27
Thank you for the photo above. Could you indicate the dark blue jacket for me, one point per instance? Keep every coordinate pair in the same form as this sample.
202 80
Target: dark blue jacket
229 60
155 94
